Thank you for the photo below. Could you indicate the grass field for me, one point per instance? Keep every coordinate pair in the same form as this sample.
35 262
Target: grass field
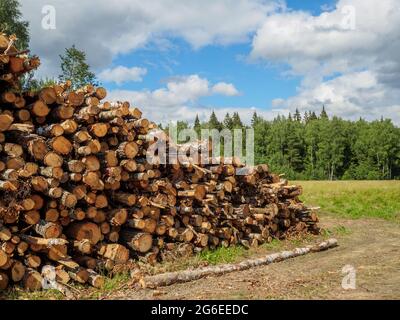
354 199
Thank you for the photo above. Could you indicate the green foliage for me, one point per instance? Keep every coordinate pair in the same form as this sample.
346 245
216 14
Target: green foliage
222 254
228 122
112 283
236 121
38 84
328 148
213 122
11 22
75 68
177 127
197 125
339 230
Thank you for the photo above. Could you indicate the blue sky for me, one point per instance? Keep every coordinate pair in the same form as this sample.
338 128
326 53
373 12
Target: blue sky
258 83
178 58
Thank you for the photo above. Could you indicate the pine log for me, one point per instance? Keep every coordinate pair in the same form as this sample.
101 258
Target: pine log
48 229
138 241
116 252
3 281
32 280
84 230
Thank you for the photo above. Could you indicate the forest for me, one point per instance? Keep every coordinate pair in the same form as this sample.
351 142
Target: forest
319 147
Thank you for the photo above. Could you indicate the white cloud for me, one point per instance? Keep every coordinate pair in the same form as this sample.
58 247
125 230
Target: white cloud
122 74
351 95
354 71
108 28
226 89
178 100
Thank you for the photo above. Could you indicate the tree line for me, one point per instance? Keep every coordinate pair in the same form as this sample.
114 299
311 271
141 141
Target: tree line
318 147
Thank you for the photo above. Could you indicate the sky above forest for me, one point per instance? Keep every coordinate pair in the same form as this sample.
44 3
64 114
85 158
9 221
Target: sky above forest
175 59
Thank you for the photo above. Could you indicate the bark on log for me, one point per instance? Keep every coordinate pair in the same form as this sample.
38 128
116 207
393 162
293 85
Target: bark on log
170 278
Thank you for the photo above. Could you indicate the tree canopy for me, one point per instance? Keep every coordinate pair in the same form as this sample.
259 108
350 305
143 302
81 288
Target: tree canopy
11 22
75 68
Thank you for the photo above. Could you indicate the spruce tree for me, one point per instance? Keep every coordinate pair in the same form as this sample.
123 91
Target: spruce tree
297 115
323 114
213 122
306 117
197 125
312 116
228 122
254 119
236 121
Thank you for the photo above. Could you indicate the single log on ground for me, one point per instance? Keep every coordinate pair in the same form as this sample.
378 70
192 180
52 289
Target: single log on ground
169 278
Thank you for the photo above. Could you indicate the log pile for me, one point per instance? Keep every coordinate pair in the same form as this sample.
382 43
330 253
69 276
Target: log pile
78 196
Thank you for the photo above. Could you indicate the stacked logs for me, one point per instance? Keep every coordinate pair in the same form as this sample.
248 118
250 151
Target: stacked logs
78 195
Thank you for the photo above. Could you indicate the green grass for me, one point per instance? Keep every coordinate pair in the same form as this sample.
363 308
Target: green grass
354 199
16 293
222 255
273 245
112 283
336 231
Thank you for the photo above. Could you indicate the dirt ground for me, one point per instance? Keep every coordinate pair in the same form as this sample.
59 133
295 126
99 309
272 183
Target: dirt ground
371 246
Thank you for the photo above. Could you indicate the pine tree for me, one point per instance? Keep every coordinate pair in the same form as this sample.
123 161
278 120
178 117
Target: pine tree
11 22
236 122
38 84
297 115
306 117
254 119
323 114
75 68
213 122
312 116
197 125
228 122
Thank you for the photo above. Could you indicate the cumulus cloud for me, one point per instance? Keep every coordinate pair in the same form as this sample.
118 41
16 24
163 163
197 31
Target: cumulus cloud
351 95
348 56
108 28
351 36
226 89
122 74
179 99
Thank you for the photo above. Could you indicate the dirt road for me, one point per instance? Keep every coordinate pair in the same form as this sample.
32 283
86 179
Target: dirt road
371 246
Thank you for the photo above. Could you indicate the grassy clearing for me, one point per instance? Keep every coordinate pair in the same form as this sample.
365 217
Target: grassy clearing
354 199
